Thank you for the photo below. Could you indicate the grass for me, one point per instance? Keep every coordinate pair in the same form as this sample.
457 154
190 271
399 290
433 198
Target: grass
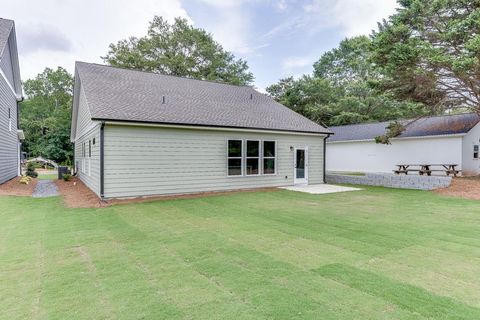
47 177
373 254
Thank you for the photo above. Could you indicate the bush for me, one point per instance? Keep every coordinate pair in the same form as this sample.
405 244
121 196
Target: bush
31 170
67 176
25 180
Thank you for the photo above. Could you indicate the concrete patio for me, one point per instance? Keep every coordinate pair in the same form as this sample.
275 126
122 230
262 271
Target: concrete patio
320 188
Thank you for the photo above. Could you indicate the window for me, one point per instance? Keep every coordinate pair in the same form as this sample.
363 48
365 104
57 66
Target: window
253 158
89 157
269 157
235 159
89 148
475 151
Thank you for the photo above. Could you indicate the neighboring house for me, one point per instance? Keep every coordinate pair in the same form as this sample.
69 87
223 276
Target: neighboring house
141 134
10 96
450 139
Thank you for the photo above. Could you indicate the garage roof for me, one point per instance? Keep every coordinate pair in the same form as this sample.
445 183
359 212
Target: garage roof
429 126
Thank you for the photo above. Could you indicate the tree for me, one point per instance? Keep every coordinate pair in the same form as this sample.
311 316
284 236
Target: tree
45 115
430 52
179 49
343 89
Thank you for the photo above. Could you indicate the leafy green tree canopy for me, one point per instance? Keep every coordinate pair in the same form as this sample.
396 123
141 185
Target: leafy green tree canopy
343 89
179 49
45 115
430 53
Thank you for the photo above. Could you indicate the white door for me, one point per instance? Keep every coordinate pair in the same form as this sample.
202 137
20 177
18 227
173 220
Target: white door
300 165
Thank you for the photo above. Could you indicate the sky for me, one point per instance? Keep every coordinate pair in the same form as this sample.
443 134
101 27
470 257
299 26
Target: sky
278 38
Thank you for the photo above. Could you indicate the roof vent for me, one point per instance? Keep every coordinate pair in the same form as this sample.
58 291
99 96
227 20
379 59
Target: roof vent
251 96
163 99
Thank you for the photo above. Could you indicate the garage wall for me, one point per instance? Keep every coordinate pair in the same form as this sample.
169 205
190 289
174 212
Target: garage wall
142 161
368 156
470 165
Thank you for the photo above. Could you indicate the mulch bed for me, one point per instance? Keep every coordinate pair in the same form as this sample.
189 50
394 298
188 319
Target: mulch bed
463 187
15 188
77 195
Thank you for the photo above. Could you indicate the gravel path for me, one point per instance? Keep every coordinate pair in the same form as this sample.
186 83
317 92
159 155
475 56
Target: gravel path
45 188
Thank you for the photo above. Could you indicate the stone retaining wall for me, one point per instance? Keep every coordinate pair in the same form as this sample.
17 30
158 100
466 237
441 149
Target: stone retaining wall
392 180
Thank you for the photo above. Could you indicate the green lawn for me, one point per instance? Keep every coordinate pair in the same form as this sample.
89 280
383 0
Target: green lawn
47 177
374 254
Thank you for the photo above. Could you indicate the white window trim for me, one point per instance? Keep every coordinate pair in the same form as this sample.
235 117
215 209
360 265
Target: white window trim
258 158
274 158
242 160
478 152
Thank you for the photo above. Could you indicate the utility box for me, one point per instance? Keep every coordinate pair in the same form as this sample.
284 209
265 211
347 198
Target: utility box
61 171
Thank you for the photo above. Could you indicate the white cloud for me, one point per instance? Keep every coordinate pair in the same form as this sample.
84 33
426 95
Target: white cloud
353 16
71 30
297 62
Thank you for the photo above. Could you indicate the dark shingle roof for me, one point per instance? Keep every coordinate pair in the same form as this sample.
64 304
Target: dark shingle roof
431 126
5 29
128 95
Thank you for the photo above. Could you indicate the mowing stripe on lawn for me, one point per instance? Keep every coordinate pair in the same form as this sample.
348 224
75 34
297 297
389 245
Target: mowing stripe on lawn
406 296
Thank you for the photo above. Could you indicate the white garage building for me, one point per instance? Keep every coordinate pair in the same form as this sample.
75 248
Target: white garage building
450 139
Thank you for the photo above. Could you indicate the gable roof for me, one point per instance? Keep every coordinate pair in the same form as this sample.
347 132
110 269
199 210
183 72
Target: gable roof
8 40
117 94
5 29
431 126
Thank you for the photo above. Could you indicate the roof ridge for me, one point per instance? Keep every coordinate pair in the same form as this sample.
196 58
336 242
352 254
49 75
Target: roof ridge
168 75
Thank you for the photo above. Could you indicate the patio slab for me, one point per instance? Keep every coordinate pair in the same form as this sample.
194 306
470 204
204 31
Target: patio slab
320 188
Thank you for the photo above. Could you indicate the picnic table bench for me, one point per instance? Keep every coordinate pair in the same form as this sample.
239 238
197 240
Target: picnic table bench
427 169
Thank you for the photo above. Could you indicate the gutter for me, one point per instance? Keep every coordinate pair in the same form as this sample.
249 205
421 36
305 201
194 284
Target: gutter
205 127
102 156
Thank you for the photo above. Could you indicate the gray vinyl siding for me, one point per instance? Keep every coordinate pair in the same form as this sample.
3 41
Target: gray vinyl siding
8 139
91 180
6 65
84 119
144 161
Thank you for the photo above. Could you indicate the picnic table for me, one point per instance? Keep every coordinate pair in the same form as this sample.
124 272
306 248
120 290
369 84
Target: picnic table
427 169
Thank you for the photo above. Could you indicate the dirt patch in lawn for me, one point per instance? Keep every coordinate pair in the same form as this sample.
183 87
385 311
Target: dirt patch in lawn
77 195
15 188
463 187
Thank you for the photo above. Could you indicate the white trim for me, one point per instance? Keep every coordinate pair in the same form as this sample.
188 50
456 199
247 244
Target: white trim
258 158
405 138
274 158
241 158
18 97
303 180
193 127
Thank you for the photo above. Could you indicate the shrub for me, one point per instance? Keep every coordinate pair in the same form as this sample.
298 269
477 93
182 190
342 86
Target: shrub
67 176
25 180
31 170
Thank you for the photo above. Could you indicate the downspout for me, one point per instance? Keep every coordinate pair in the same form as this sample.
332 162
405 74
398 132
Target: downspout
325 157
102 148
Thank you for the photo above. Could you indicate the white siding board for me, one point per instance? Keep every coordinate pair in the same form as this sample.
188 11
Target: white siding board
368 156
143 161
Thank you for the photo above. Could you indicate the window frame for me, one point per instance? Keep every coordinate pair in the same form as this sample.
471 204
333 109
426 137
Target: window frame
242 160
259 157
274 158
477 152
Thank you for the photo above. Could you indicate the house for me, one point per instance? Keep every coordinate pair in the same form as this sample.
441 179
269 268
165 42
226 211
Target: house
142 134
448 139
10 97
